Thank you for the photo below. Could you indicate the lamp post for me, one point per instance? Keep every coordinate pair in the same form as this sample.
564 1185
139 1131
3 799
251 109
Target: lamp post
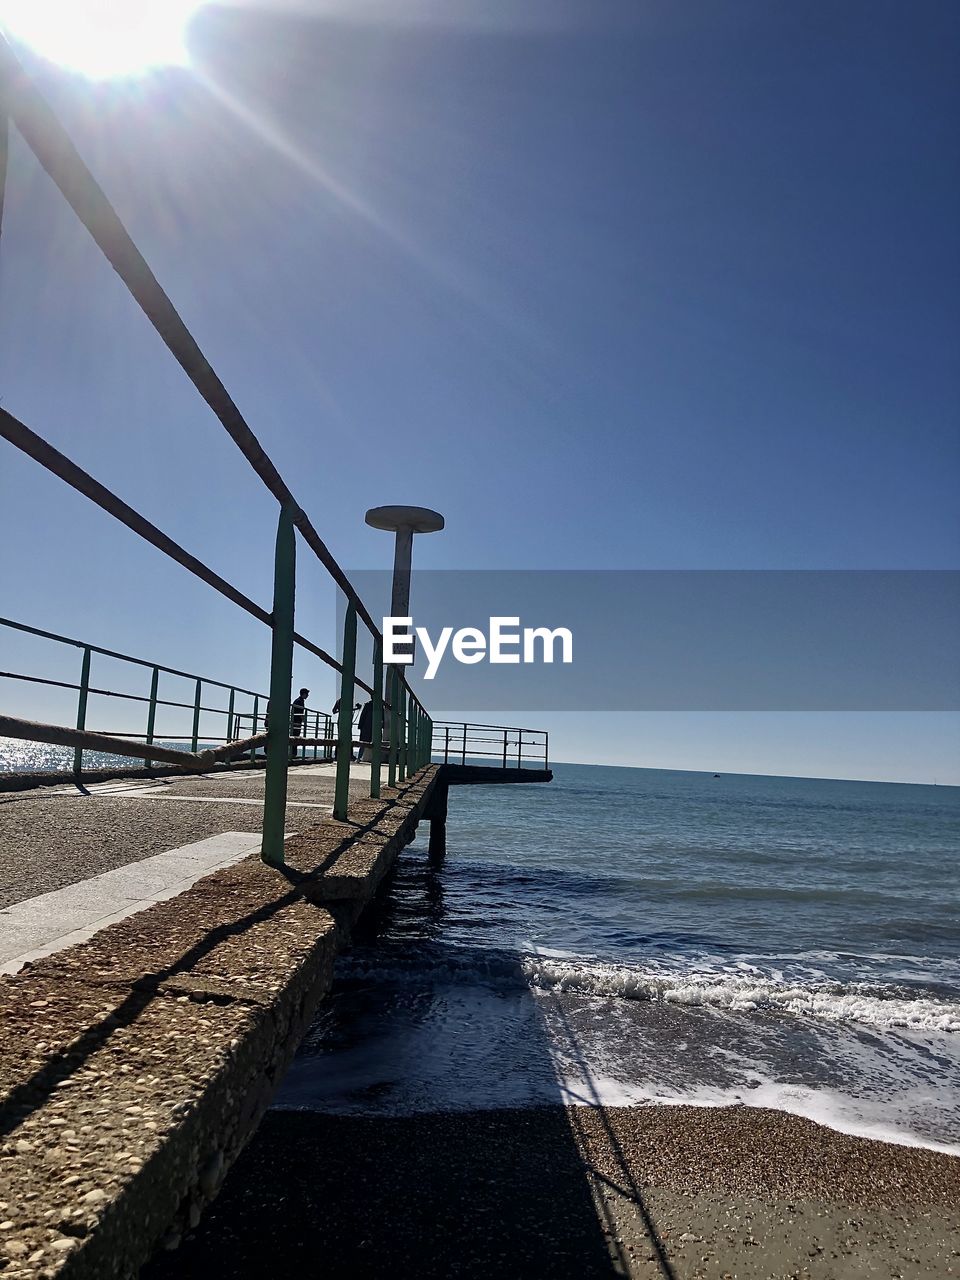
404 522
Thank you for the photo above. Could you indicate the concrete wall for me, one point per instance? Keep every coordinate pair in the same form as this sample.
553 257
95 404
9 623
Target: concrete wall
134 1067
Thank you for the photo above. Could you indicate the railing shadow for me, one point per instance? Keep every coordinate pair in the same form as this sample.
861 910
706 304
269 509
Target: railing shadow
31 1093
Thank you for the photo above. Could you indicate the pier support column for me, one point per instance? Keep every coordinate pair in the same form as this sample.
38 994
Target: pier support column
436 812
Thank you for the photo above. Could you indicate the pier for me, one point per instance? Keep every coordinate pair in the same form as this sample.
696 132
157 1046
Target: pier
169 924
149 1019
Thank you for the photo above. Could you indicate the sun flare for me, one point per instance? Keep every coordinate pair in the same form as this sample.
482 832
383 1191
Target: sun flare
102 38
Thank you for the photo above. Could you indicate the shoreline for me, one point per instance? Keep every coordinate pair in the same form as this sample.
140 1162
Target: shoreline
648 1191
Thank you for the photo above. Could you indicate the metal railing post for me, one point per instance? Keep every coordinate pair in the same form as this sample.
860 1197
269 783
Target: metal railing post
412 738
376 748
463 758
446 745
82 708
152 711
504 748
281 677
348 661
195 737
546 751
394 719
519 748
402 733
253 727
230 726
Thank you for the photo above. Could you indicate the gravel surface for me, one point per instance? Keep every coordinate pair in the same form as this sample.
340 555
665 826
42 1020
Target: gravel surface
648 1192
49 840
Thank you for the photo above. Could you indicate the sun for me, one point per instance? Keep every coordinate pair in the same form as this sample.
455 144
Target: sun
102 38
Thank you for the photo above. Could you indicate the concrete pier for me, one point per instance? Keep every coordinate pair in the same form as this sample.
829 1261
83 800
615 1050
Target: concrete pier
134 1066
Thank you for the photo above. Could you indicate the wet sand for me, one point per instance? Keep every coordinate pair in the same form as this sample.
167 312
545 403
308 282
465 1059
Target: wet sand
725 1194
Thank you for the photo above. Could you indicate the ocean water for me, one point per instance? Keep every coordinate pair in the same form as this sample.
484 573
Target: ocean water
18 756
635 936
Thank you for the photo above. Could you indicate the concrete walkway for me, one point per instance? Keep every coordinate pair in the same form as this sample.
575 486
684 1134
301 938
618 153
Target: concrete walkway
54 837
40 926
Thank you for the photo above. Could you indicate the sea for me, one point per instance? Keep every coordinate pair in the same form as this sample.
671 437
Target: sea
632 937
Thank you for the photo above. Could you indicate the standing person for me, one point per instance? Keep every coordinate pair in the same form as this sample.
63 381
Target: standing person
335 713
365 731
298 714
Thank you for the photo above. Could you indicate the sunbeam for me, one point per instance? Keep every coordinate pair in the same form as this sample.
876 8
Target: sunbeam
450 279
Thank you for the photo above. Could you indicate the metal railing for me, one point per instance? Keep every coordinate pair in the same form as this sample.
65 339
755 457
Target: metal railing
510 747
410 729
315 733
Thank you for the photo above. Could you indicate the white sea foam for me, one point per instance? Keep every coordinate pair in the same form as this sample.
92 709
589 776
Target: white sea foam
746 993
739 988
835 1110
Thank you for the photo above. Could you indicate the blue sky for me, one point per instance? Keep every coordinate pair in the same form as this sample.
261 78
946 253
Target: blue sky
611 285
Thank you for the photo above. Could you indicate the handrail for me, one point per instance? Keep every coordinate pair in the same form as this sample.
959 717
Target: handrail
459 739
511 728
34 446
54 149
23 104
124 657
235 716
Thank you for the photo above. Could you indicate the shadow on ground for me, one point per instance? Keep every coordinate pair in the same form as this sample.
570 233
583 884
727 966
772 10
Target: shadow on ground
491 1193
498 1192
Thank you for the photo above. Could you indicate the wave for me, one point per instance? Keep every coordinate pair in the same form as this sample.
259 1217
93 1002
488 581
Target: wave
874 1005
750 992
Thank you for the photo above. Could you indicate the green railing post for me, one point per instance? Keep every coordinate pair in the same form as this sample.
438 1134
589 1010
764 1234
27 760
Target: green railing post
230 729
253 730
152 711
411 737
281 677
348 659
402 734
394 721
376 747
82 709
195 738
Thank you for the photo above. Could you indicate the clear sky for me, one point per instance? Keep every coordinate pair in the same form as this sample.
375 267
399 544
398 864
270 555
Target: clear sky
616 285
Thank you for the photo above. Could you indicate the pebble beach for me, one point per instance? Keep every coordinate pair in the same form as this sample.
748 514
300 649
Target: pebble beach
711 1193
